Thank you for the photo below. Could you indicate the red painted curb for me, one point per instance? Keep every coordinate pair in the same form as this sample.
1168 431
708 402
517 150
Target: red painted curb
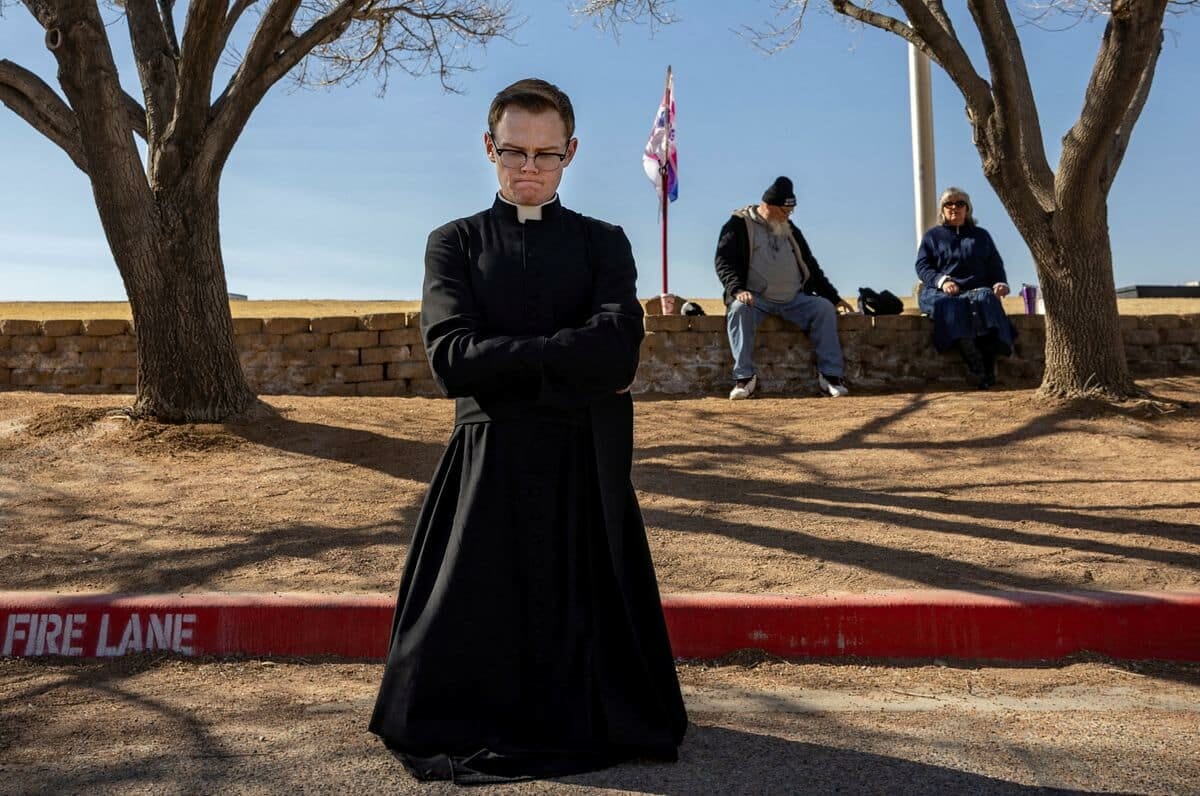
957 625
953 625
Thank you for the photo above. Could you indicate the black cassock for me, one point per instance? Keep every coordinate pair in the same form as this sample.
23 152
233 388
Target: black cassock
528 639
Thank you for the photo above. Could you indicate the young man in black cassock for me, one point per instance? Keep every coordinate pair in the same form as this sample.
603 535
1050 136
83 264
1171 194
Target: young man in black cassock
528 638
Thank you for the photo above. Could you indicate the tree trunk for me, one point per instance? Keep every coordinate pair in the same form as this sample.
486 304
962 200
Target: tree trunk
164 237
1085 355
188 366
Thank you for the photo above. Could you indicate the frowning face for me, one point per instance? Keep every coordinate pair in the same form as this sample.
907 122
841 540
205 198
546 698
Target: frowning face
530 150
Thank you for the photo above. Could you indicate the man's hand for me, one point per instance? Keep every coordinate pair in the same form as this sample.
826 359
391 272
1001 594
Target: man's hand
951 288
745 296
1000 289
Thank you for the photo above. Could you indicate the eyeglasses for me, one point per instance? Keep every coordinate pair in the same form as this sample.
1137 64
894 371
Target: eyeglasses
516 158
955 203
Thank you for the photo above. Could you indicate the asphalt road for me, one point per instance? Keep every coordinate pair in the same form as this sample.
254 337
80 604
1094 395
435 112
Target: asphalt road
158 725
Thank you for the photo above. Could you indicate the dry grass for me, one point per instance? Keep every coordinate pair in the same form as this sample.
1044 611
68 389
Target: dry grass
321 308
89 310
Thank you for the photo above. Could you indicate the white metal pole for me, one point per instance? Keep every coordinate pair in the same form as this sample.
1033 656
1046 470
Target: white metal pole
924 171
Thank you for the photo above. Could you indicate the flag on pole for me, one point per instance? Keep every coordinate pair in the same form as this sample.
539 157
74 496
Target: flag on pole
660 149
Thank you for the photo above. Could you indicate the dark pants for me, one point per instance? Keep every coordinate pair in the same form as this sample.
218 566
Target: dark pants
976 313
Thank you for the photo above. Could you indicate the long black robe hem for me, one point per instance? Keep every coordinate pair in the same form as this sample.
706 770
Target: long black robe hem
486 767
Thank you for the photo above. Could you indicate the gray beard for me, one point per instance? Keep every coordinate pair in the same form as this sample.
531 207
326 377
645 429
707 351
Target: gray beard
778 228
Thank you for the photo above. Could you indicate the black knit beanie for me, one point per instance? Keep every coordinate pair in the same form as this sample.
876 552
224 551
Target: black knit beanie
780 193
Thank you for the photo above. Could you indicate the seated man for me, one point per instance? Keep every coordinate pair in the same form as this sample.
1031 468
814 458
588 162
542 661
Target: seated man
767 269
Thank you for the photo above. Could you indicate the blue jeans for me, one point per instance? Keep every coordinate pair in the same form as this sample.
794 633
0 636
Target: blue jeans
813 314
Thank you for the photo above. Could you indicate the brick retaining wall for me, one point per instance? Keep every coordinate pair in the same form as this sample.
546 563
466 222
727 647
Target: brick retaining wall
382 354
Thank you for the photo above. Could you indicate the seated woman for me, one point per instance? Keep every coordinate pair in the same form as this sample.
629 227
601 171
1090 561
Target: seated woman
962 282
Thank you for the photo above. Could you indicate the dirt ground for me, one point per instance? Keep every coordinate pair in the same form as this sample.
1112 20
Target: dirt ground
796 495
148 725
788 495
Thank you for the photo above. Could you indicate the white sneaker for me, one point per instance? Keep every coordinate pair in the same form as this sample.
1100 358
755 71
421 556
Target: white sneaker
833 386
743 388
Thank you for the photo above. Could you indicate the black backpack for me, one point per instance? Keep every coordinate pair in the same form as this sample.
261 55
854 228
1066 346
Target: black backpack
882 303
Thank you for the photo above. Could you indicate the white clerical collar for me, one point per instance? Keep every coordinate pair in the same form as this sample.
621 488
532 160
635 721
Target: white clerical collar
528 212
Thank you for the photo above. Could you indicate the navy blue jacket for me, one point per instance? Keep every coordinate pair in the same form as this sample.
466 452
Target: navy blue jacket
966 254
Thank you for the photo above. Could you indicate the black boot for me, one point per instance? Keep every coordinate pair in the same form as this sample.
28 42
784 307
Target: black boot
987 350
975 362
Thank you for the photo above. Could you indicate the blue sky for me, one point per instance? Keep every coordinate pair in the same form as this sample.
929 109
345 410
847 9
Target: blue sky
330 194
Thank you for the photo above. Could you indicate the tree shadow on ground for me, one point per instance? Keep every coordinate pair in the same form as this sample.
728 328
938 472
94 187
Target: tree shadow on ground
43 711
191 568
198 560
194 562
723 760
205 750
963 517
866 437
396 456
716 475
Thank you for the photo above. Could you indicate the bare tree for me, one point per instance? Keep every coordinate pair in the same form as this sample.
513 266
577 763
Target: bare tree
160 214
1061 213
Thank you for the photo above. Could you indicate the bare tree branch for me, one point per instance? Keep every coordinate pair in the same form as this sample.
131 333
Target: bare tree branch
342 40
201 51
33 100
328 28
610 15
255 76
929 35
274 30
1017 137
167 9
418 38
938 10
993 110
770 38
1131 42
52 107
1121 139
879 20
155 64
136 116
235 13
946 50
88 76
42 11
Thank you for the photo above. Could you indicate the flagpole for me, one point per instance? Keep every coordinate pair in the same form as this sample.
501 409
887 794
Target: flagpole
663 168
